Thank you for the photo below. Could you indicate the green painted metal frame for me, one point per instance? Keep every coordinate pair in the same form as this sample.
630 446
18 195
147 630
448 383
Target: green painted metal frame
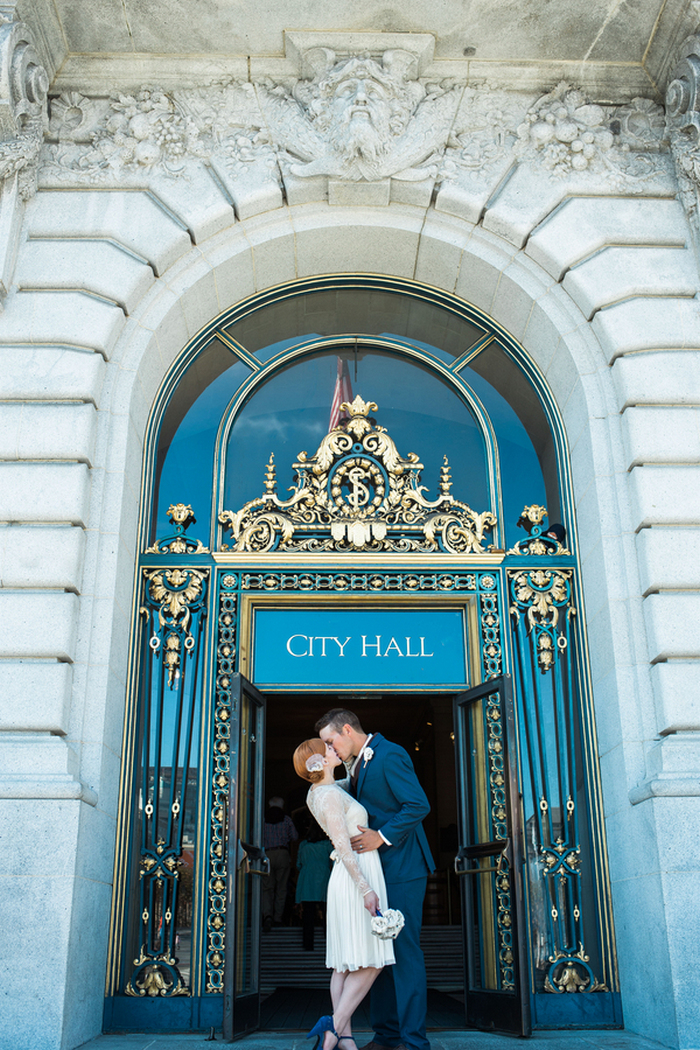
245 858
228 584
490 859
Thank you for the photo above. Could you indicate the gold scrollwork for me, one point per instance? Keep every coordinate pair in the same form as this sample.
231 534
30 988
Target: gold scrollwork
541 594
504 921
494 745
357 492
491 651
570 973
171 657
561 859
182 516
216 920
173 591
538 542
160 977
359 582
496 761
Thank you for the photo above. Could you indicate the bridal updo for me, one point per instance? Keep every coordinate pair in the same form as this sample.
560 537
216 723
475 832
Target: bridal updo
306 760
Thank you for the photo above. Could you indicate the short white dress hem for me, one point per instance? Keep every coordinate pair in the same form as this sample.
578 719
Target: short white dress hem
350 943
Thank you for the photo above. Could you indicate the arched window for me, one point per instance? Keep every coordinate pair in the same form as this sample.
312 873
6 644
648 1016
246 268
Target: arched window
445 381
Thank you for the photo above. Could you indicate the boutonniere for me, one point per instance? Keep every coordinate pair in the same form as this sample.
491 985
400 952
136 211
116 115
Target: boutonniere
367 754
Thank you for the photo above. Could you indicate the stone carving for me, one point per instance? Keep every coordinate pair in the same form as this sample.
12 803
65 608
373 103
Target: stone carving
683 126
362 119
23 88
358 118
561 132
565 134
154 131
482 139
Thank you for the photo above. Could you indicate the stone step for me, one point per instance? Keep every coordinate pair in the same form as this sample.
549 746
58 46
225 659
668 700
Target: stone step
284 963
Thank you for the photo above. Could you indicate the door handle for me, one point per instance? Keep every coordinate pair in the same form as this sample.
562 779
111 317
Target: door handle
253 859
462 862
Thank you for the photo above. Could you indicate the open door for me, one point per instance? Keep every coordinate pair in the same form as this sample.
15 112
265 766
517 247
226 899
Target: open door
245 860
489 862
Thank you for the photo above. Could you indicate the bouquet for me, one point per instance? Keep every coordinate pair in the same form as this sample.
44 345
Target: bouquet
388 925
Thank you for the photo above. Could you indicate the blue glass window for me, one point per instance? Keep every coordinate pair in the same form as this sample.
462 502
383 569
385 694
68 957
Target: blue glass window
422 412
187 439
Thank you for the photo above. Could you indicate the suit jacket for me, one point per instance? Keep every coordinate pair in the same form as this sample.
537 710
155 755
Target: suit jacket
388 788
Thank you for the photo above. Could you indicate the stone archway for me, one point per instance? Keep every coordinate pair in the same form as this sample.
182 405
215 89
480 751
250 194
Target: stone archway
193 285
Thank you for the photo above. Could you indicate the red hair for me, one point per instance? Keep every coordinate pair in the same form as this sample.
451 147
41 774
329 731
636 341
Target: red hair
315 746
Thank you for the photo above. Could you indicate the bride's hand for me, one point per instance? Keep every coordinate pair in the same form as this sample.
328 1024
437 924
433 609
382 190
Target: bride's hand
371 902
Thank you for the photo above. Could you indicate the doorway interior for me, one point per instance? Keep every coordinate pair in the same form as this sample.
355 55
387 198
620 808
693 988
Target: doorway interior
294 981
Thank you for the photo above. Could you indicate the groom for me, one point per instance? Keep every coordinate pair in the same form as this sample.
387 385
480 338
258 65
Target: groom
384 781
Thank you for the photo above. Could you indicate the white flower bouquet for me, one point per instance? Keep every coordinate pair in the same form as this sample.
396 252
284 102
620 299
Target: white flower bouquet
388 924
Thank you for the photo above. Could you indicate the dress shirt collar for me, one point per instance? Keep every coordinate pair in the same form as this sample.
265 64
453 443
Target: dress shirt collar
356 763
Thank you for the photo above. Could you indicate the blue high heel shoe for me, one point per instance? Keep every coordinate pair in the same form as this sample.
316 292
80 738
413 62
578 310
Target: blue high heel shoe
323 1025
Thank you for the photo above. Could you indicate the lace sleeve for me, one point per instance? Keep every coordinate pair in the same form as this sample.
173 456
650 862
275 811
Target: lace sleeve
327 807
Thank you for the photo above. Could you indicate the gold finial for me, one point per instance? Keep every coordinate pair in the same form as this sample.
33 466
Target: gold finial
532 518
270 476
181 515
358 407
358 424
445 478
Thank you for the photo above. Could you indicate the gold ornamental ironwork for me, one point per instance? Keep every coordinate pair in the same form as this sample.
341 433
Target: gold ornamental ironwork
540 539
181 517
571 973
173 592
358 493
156 977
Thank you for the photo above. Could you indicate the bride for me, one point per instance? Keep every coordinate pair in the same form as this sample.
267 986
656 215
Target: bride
355 893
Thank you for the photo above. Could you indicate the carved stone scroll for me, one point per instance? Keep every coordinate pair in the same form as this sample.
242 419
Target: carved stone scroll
23 88
683 125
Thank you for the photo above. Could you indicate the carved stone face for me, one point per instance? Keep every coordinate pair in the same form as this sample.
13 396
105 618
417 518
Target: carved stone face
361 99
359 115
360 107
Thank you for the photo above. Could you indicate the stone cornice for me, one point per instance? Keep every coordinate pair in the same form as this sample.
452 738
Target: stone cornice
94 74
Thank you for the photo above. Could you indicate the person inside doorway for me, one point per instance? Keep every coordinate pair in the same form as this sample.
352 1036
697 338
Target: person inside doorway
314 865
556 531
278 834
383 780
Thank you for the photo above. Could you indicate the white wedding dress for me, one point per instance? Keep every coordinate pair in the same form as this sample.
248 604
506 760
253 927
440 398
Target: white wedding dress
350 943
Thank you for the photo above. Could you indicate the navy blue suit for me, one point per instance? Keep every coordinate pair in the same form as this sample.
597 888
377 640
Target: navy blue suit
396 804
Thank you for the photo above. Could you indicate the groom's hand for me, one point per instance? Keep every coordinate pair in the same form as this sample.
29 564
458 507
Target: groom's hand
366 841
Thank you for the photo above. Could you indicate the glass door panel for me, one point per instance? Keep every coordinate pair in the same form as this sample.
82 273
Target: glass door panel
489 862
246 860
